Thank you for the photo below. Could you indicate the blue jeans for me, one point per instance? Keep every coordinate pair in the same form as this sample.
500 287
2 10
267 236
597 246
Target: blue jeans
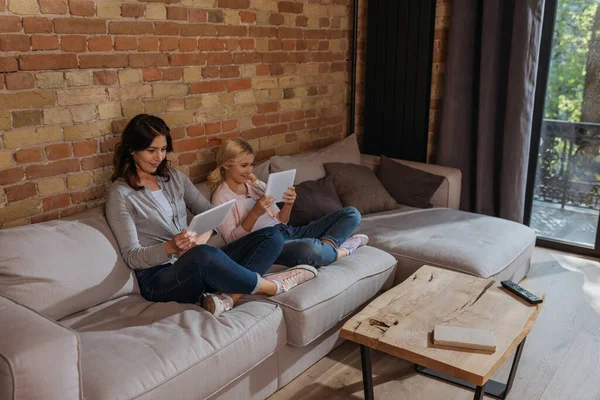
231 269
303 244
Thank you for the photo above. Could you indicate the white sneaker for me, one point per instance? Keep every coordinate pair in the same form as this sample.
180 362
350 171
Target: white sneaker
354 242
216 303
292 277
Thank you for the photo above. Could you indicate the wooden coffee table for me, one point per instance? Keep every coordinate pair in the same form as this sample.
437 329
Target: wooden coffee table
400 322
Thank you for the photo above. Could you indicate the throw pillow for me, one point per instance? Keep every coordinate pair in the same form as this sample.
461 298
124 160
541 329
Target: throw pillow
409 186
314 199
309 166
357 186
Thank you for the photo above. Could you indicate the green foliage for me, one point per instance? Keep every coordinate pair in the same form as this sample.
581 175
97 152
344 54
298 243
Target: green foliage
570 45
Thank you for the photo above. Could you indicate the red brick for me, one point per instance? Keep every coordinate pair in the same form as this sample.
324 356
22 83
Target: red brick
187 59
56 201
212 128
276 19
230 72
188 44
108 145
263 31
198 172
264 154
105 78
20 192
246 58
239 84
275 45
207 87
297 126
102 43
90 194
272 119
75 44
198 30
288 45
2 5
197 15
40 42
169 43
324 22
287 116
301 20
177 13
219 59
247 17
79 25
147 44
36 25
125 43
19 81
100 161
211 72
12 175
103 61
27 156
254 133
14 43
173 74
187 159
262 69
259 120
47 61
278 129
229 125
195 130
211 44
182 145
247 44
36 219
148 60
229 30
52 169
151 74
58 151
85 8
289 7
232 44
234 4
132 10
130 28
268 107
53 6
10 24
85 148
167 28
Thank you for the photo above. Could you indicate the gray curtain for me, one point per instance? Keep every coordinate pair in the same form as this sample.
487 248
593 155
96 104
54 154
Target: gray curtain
490 78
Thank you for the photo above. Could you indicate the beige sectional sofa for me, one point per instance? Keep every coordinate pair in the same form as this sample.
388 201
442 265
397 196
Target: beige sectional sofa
74 326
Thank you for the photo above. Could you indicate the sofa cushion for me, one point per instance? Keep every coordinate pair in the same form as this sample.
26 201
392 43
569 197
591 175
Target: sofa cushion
315 200
357 186
64 266
312 308
132 348
471 243
309 166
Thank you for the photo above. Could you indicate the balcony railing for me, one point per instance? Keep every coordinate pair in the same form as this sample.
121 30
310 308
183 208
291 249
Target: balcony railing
569 164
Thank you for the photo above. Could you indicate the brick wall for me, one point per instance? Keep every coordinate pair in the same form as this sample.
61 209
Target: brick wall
72 72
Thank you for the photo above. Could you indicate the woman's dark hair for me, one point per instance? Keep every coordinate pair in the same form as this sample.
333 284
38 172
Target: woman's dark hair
138 135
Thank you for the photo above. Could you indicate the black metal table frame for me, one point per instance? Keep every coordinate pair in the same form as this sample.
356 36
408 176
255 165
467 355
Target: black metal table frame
490 388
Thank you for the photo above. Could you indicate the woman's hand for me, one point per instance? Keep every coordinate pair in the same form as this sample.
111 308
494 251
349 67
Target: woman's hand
196 240
289 196
262 205
182 242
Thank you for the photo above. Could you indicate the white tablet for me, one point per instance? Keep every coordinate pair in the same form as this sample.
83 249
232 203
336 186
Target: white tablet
279 182
210 219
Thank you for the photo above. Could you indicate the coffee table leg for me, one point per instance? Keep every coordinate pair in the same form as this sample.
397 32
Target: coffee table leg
365 357
479 392
513 368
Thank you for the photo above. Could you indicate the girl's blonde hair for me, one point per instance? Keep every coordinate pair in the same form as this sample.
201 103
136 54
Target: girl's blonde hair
230 152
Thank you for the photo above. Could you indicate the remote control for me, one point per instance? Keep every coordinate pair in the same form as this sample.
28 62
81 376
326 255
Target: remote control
522 293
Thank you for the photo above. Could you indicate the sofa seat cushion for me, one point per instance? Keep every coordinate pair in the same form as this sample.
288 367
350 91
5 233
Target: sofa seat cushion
471 243
61 267
133 348
312 308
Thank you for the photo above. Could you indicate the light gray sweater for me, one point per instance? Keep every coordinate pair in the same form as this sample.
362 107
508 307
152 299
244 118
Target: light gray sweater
140 225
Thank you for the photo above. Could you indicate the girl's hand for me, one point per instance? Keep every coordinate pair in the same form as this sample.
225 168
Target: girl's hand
289 196
182 242
262 205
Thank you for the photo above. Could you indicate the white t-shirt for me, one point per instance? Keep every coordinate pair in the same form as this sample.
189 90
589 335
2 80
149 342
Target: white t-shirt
159 196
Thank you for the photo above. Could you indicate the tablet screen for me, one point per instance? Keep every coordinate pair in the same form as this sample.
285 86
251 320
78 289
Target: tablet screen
210 219
279 182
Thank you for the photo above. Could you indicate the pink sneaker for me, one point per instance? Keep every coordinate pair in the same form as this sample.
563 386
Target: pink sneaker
354 242
292 277
216 303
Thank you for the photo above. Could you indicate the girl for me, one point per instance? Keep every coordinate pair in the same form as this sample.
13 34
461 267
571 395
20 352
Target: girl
146 210
319 243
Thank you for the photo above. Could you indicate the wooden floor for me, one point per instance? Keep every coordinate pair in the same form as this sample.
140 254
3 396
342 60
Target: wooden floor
561 359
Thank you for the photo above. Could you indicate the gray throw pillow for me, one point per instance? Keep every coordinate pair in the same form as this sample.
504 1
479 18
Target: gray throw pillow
357 186
409 186
314 200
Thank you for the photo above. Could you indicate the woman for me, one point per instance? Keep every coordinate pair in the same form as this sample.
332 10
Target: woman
319 243
146 210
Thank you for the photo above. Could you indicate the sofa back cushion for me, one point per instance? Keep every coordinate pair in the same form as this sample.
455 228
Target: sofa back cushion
309 166
64 266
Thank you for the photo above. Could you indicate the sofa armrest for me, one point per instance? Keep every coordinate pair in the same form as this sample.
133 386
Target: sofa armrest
39 358
448 194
